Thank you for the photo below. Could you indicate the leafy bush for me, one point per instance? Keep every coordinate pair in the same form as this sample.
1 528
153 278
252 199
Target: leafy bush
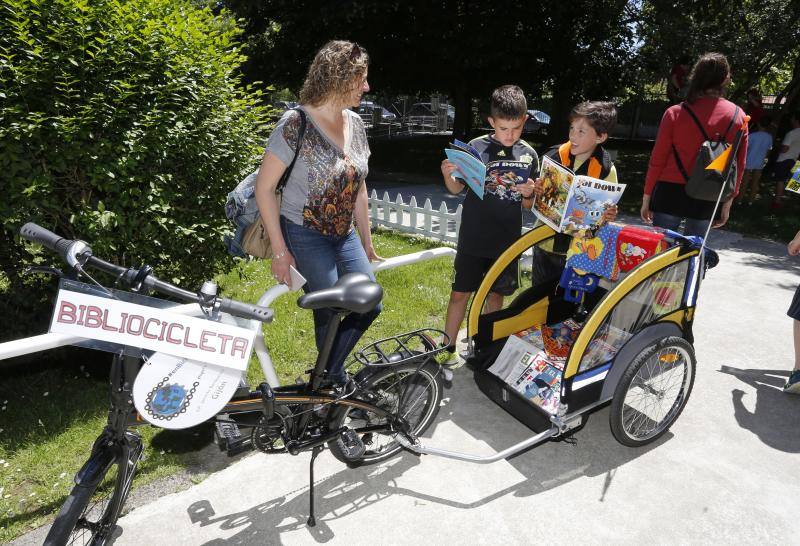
123 123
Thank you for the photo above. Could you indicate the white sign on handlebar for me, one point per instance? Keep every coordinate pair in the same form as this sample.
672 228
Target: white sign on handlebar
150 328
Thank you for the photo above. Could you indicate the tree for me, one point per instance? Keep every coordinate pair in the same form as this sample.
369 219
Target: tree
756 36
122 123
459 47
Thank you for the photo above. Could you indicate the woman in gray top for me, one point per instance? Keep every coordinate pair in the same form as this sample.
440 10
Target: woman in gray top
325 194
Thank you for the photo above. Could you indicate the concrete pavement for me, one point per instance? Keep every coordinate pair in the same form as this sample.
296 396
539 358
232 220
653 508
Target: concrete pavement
725 473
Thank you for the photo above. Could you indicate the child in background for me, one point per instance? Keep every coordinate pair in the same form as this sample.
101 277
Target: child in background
589 126
793 385
790 151
490 225
758 145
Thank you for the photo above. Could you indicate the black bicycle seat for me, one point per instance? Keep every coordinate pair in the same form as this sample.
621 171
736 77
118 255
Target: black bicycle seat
354 292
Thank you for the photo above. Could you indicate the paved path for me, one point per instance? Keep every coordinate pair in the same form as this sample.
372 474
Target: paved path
725 473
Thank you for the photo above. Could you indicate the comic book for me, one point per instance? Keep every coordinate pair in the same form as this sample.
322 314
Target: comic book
476 174
573 204
793 184
558 338
604 347
540 383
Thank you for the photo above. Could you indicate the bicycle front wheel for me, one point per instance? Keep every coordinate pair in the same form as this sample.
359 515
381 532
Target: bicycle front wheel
408 391
90 513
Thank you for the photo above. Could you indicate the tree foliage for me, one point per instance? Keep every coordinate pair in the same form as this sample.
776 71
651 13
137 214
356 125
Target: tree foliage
759 37
461 48
121 123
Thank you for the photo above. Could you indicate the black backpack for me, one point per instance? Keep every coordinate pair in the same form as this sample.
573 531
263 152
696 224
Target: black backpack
711 184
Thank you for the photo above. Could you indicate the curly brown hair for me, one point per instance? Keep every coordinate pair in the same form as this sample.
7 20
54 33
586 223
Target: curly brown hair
334 71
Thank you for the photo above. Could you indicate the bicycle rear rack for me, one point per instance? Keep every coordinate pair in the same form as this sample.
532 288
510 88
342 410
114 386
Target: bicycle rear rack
394 350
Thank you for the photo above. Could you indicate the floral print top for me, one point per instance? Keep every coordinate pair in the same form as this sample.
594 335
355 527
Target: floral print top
322 188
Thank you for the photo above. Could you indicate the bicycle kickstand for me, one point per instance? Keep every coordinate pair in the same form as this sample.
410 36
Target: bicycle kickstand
314 452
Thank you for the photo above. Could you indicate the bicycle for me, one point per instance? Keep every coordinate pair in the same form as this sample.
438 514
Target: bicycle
388 403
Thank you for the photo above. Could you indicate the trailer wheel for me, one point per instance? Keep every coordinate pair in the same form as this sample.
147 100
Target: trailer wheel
653 391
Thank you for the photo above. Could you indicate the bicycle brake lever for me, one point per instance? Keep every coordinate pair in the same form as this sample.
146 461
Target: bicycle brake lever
33 269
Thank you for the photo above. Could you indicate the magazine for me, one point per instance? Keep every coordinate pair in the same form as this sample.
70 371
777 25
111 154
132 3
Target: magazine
573 204
793 183
540 383
475 174
513 359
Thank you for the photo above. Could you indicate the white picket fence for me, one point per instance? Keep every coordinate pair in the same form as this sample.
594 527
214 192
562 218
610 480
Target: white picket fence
439 224
427 221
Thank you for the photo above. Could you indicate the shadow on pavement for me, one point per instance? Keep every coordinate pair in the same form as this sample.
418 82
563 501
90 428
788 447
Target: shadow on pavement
773 419
594 453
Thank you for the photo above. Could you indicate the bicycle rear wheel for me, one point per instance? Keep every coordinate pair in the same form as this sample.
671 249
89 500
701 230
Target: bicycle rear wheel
411 391
90 513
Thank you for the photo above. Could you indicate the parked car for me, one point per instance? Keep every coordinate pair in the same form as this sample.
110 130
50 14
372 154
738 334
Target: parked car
421 114
367 108
537 122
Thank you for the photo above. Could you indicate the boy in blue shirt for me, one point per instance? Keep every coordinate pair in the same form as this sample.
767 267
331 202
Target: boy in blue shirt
758 145
491 225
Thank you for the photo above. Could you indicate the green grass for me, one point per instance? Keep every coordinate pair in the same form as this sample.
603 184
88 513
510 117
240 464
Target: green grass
45 438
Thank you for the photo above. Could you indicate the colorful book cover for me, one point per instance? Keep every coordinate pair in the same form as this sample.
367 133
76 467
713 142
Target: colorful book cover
498 177
558 338
463 146
532 336
794 182
604 347
573 204
470 169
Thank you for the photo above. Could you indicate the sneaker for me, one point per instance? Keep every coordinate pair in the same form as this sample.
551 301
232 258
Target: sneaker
793 385
449 358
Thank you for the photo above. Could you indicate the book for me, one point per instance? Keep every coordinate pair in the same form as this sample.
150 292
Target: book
573 204
514 359
540 383
558 338
604 347
476 175
793 184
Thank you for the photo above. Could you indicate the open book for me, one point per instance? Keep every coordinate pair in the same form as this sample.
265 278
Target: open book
573 204
475 174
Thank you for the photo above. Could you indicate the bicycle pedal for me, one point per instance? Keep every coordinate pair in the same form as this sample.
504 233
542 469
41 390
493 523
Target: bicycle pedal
229 438
351 444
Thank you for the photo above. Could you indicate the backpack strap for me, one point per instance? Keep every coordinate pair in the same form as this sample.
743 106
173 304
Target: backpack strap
564 155
300 134
697 121
678 162
730 125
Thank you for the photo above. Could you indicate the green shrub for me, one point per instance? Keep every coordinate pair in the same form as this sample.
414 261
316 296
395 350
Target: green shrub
123 123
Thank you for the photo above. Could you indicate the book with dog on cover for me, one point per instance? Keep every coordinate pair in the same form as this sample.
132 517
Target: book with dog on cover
573 204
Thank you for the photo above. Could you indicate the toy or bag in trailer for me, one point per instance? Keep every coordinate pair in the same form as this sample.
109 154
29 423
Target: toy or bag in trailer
616 328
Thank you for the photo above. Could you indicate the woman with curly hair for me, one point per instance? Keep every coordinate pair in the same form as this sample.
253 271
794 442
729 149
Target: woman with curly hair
325 193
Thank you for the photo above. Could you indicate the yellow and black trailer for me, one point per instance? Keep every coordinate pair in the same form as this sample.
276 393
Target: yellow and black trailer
633 347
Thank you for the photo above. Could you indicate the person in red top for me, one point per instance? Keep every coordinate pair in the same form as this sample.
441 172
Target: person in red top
665 203
754 107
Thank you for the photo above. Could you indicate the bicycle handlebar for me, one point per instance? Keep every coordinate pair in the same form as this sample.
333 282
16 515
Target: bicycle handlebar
70 250
46 238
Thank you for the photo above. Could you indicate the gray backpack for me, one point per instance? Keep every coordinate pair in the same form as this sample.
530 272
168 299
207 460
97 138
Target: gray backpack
241 207
711 184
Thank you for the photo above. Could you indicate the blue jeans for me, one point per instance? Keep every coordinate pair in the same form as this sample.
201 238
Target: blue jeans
692 226
322 259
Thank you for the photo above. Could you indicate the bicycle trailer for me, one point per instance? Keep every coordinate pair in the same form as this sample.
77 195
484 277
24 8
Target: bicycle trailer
615 328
